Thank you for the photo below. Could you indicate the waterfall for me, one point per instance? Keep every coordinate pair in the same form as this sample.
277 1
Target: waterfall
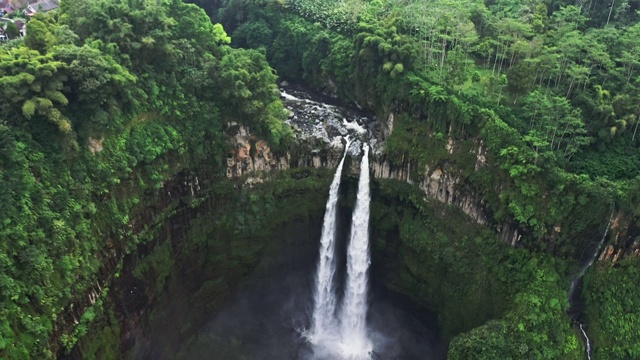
355 342
587 265
586 338
581 273
323 320
351 340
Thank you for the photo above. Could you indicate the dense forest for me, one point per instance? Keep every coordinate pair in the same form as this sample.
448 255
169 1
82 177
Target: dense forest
558 78
105 100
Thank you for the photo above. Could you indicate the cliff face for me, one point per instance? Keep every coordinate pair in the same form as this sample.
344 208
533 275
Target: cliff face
626 239
321 130
447 186
252 157
438 185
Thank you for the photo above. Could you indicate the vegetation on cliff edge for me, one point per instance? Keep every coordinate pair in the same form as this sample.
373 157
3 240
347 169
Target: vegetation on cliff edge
103 102
547 88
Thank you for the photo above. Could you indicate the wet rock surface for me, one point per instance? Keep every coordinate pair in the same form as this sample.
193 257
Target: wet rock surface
327 124
321 124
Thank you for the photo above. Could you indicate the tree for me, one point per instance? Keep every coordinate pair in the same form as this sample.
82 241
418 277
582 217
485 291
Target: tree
613 318
540 20
630 56
97 86
253 34
247 88
536 327
38 36
520 79
554 124
32 84
12 31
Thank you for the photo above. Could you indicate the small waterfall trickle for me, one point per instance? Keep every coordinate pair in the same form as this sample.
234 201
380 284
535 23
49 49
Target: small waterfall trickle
580 274
586 338
323 318
355 342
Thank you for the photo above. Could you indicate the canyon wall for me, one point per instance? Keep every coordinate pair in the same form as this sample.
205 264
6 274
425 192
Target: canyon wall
320 132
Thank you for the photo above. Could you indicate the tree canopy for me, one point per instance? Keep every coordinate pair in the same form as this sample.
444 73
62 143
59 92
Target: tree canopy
101 99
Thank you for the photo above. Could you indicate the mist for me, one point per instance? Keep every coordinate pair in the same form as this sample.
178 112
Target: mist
265 319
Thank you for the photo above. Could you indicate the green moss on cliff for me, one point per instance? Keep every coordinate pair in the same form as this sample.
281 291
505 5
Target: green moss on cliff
612 311
92 129
205 251
461 271
102 339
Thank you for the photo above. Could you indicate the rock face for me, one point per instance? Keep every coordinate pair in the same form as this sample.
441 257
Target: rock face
251 155
321 129
626 241
437 185
449 188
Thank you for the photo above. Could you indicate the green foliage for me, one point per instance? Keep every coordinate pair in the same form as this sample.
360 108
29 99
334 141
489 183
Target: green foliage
253 35
553 61
98 86
38 36
340 15
107 100
408 142
383 54
103 337
535 328
613 318
553 125
103 104
12 31
546 89
522 292
156 268
247 86
619 162
32 83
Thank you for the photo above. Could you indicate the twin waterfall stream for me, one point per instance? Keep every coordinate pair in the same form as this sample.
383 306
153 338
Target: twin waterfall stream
267 295
348 314
345 337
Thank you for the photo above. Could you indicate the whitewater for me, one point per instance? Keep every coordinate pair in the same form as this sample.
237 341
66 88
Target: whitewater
346 336
323 318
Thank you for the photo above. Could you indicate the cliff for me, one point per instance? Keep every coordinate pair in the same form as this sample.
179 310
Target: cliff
320 130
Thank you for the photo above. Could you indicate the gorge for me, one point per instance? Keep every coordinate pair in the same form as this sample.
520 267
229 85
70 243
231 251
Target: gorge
271 312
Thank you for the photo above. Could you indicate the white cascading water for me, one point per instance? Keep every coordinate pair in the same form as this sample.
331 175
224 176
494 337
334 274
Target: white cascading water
586 338
323 321
354 341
